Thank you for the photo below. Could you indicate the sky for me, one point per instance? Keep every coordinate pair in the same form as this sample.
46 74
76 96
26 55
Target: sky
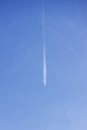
24 101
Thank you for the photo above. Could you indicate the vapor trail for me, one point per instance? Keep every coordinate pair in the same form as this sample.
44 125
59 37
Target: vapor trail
44 66
44 44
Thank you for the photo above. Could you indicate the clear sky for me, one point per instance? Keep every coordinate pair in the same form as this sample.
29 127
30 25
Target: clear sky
24 102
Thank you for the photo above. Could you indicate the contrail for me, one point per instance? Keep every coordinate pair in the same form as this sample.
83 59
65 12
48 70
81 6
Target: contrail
44 44
44 66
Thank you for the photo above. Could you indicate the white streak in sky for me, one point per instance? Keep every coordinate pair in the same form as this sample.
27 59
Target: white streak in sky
44 66
44 44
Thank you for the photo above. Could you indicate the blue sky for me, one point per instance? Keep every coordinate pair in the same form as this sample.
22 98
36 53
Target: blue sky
24 102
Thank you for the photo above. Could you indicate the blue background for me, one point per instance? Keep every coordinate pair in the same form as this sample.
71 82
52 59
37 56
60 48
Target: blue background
24 102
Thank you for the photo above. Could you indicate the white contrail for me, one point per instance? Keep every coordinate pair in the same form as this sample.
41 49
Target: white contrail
44 44
44 66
